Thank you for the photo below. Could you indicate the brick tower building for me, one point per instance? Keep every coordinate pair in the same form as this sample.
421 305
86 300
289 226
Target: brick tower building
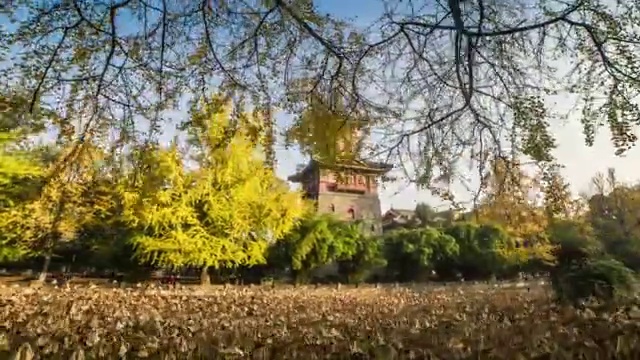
348 189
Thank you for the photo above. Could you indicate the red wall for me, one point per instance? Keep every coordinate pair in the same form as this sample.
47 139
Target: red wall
357 182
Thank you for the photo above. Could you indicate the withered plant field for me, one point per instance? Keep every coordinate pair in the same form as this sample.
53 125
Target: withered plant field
308 323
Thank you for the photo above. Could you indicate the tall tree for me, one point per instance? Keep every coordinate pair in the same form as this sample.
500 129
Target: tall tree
224 213
511 201
22 167
20 175
53 217
103 239
327 131
425 213
558 201
614 213
418 71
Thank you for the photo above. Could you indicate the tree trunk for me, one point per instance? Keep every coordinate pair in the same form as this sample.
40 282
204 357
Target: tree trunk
300 277
204 276
45 267
52 238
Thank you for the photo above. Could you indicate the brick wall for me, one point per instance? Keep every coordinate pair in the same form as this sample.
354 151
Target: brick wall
364 206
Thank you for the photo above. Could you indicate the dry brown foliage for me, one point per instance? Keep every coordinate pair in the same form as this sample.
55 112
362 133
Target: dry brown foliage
307 323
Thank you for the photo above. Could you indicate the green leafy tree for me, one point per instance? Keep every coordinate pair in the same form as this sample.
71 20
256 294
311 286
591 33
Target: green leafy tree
558 201
613 214
484 250
583 269
223 214
413 254
367 256
319 240
575 241
600 278
425 213
103 241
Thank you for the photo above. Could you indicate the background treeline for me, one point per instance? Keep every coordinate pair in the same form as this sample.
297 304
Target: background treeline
212 204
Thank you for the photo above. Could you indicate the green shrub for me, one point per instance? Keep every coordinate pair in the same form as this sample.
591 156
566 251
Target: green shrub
367 256
413 254
606 280
574 241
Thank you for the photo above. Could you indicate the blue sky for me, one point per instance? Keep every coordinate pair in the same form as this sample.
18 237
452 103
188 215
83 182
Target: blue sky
581 162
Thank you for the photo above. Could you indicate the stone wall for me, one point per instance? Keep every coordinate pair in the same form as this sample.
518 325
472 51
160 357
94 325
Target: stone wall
366 207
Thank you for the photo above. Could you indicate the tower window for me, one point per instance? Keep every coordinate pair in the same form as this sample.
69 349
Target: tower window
332 208
352 213
373 228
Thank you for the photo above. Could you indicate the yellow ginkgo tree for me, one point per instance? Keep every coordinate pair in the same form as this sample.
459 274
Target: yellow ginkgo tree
510 202
42 223
225 212
19 177
328 133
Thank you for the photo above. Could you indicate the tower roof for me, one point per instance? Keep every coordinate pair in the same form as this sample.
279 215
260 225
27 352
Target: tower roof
357 165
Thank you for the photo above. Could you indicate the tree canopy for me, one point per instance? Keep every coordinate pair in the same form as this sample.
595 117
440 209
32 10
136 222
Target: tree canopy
18 170
435 81
224 213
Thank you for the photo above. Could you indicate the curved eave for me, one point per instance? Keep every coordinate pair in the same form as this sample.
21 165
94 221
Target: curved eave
295 178
364 166
369 166
300 175
368 169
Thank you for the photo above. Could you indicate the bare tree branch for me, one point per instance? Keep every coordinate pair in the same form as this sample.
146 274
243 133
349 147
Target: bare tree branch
436 81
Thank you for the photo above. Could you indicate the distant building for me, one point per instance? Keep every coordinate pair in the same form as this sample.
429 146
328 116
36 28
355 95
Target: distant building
348 189
400 218
395 218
